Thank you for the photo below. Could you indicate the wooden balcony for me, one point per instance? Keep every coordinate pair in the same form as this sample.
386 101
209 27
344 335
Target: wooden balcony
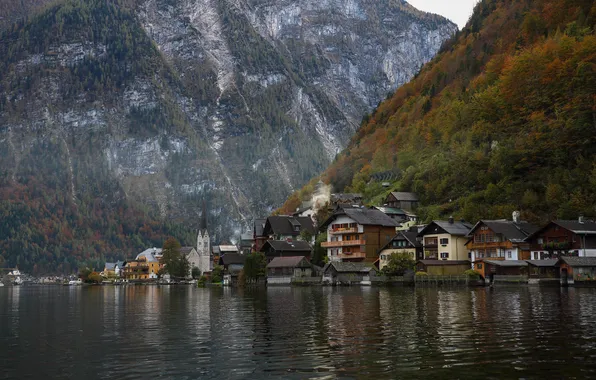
352 255
494 244
342 243
339 231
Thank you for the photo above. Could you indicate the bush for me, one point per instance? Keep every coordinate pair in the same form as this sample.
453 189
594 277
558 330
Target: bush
472 274
421 274
217 274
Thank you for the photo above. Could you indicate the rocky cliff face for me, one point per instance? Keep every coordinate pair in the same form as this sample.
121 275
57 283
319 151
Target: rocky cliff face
173 101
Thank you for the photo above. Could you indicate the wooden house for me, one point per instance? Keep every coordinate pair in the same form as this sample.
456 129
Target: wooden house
357 234
282 270
445 240
488 269
402 200
561 238
575 269
348 273
443 267
282 248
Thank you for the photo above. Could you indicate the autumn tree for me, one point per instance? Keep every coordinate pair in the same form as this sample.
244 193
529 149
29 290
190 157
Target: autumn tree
175 263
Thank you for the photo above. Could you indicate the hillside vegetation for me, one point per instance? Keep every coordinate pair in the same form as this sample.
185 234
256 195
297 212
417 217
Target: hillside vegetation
503 119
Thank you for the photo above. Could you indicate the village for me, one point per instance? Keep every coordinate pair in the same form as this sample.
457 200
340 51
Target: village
355 245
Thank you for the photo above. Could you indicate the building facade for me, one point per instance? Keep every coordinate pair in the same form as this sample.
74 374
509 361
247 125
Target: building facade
561 238
445 240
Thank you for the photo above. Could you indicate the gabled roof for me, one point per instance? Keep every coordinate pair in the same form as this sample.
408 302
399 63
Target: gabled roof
285 225
507 263
228 249
390 210
543 263
455 228
352 198
409 236
405 196
287 262
443 262
110 266
120 263
349 267
149 254
576 261
186 250
586 228
231 258
363 216
284 246
514 232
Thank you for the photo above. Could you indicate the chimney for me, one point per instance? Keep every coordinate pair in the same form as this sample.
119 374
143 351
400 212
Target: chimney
581 219
451 219
516 215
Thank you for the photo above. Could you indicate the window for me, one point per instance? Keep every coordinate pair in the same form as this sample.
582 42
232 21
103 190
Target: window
508 254
540 241
297 228
444 241
479 266
444 255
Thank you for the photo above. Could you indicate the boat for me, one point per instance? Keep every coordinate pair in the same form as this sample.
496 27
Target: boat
18 281
1 284
75 282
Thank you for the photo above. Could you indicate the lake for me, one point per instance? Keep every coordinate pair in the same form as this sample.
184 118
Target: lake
133 332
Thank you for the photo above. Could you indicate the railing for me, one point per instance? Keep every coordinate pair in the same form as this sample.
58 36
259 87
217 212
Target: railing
342 243
352 255
494 244
337 231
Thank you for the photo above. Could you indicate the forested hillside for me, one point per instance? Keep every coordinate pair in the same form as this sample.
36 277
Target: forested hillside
503 119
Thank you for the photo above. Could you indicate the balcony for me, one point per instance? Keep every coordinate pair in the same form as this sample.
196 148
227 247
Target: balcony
352 255
342 243
494 244
339 231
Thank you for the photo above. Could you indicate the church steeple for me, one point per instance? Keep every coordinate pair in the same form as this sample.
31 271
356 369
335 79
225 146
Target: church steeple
203 223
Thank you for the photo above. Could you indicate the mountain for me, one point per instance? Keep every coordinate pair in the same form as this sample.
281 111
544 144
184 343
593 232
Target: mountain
502 119
116 115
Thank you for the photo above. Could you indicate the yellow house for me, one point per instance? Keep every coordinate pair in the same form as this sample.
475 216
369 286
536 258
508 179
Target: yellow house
445 240
144 267
404 241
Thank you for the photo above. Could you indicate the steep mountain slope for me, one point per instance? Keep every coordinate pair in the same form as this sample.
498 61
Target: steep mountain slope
504 118
159 104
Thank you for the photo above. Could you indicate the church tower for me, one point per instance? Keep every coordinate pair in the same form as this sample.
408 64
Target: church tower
204 244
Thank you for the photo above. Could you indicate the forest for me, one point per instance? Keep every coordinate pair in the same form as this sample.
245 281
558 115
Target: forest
502 119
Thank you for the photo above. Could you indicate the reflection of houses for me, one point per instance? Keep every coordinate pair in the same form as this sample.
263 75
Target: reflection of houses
445 240
357 234
575 269
282 270
564 238
402 200
144 267
443 267
280 248
500 240
404 241
348 273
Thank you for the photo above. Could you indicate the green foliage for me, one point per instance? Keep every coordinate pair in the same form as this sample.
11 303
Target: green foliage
217 274
196 273
94 278
84 273
319 253
472 274
255 266
399 263
421 274
175 263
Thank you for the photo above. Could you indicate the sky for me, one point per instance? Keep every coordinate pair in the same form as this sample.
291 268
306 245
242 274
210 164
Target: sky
458 11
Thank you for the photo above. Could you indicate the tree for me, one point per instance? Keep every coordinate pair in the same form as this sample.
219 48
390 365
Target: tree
255 266
95 278
175 263
399 263
196 272
217 274
84 273
319 253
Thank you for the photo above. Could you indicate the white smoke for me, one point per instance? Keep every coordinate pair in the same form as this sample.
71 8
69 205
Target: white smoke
321 196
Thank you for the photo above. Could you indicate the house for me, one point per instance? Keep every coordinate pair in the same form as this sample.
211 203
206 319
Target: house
280 248
543 269
306 209
402 200
258 236
357 234
348 273
445 240
563 238
283 227
113 269
488 269
282 270
144 267
404 241
232 263
500 239
347 199
246 243
575 269
443 267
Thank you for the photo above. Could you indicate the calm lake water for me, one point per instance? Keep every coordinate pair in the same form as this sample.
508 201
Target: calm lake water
366 333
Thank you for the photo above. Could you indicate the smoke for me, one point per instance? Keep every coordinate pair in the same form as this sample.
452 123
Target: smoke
321 196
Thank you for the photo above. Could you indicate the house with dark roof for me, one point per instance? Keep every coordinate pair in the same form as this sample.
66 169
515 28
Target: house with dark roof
561 238
348 273
192 256
491 268
500 240
284 227
282 270
396 214
258 236
281 248
574 269
357 234
402 200
445 240
232 263
403 242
